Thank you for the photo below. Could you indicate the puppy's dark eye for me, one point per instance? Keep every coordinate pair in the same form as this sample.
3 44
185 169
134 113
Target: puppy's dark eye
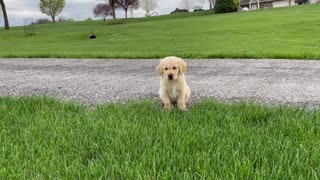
165 68
174 68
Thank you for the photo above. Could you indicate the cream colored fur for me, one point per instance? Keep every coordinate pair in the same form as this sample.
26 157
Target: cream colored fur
173 90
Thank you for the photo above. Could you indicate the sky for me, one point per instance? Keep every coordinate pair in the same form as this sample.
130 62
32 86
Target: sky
21 11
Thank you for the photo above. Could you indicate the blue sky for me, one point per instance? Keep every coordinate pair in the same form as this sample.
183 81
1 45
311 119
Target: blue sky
26 10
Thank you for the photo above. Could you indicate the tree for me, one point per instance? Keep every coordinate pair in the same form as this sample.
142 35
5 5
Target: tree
52 8
212 3
5 15
126 4
102 10
112 4
224 6
148 5
187 4
133 8
1 15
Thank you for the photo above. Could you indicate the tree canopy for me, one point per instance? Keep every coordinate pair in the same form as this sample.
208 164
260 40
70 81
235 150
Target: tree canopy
148 6
52 8
126 4
102 10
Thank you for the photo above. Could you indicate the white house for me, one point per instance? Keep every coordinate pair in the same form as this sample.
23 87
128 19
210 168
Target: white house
262 4
314 1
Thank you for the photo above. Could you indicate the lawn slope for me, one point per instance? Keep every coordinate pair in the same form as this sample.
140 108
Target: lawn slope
273 33
44 138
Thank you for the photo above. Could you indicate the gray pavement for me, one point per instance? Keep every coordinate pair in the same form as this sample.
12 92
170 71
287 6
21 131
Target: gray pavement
97 81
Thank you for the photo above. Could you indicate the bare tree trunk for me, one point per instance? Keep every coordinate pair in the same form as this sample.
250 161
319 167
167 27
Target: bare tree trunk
113 13
210 5
126 13
213 3
5 15
289 2
131 12
112 3
53 19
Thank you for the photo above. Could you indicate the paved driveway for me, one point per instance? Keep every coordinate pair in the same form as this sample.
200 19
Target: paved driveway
98 81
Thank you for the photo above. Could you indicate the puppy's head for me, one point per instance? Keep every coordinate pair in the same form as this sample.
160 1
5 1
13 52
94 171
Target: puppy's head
171 68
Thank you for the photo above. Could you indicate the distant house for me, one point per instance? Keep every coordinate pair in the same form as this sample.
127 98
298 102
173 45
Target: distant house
307 2
262 4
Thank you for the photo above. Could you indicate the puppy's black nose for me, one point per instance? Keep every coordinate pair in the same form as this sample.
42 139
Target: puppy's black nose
170 76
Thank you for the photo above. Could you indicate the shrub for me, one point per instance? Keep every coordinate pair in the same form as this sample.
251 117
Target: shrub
224 6
69 20
177 10
63 19
42 21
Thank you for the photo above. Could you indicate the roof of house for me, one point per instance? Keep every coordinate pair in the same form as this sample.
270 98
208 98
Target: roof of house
243 2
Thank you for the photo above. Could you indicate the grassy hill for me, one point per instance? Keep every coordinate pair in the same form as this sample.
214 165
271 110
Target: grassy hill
273 33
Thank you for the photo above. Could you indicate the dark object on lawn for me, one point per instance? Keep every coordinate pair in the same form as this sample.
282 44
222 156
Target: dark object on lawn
179 11
92 36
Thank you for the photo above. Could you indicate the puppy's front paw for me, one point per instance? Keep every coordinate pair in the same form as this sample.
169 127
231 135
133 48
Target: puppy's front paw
185 109
182 106
167 108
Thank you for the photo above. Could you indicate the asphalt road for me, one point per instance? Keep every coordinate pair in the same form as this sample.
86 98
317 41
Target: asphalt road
97 81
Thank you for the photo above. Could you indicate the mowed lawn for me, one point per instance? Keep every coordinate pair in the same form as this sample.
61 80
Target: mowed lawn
44 138
272 33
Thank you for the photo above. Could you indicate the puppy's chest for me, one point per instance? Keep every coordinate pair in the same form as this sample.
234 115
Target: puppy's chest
173 91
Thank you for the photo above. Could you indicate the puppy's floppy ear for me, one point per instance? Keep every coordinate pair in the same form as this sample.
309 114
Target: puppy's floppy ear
160 69
183 67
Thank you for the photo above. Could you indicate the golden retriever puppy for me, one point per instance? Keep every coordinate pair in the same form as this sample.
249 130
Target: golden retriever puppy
173 86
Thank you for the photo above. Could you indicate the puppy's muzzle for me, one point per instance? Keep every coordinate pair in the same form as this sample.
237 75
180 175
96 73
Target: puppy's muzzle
170 76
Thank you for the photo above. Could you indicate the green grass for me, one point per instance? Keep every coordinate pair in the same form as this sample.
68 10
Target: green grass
292 33
44 138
